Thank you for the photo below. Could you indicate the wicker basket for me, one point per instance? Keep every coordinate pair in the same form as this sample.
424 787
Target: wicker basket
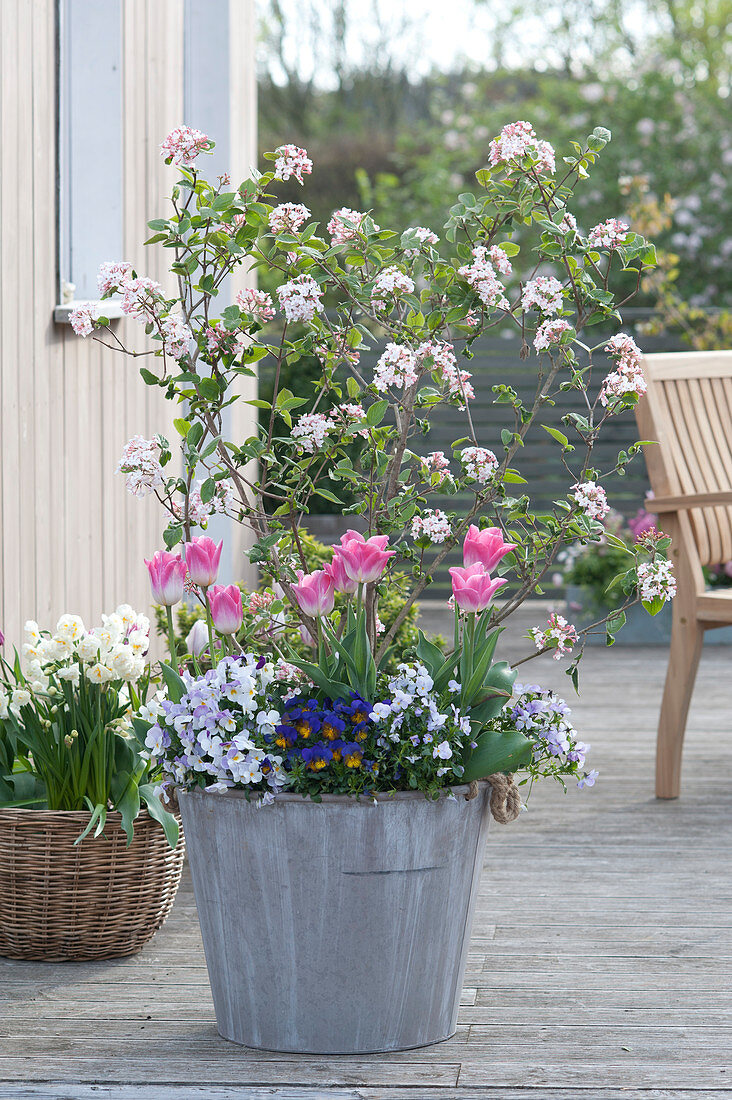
98 900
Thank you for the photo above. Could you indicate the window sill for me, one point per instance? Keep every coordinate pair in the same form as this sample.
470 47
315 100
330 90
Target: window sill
107 308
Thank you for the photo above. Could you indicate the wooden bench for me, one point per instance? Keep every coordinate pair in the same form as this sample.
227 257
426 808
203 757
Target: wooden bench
688 411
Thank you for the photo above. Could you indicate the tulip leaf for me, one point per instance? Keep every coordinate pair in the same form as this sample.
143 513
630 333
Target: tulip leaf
174 684
158 812
497 751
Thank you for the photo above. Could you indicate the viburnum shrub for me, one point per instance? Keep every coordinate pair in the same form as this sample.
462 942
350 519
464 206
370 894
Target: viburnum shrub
351 287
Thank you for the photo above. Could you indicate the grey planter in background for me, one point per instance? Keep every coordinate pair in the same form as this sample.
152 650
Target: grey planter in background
339 927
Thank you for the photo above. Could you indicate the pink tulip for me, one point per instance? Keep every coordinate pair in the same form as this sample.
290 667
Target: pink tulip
167 577
226 609
364 560
485 548
202 559
315 592
473 587
337 571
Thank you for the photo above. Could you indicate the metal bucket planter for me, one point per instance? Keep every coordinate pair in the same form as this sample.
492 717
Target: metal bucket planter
339 927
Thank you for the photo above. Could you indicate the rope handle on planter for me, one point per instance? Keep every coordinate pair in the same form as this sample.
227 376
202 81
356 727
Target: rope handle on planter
505 797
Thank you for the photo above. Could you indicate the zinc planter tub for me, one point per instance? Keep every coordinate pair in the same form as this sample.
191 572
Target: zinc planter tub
339 927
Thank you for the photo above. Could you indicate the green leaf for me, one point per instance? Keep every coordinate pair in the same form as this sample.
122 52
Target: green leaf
555 434
174 684
158 812
208 388
376 413
126 799
497 751
208 489
182 426
148 377
327 495
98 818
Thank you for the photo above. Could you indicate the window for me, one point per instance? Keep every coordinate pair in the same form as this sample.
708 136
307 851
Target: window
89 145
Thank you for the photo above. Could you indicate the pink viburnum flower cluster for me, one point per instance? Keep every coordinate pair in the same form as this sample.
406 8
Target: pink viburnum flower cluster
436 463
341 350
141 297
310 431
300 298
656 581
340 232
517 140
345 415
591 499
627 378
258 303
112 276
479 463
176 336
558 634
140 461
568 222
446 366
397 366
424 236
288 217
292 162
481 275
391 283
199 510
432 524
83 316
182 146
543 293
608 234
550 333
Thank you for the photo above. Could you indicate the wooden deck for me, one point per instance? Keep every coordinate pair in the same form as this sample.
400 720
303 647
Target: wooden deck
600 964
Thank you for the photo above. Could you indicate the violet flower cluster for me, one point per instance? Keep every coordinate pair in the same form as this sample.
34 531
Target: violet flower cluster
542 716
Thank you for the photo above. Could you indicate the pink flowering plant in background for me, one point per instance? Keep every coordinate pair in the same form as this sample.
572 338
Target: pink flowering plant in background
419 302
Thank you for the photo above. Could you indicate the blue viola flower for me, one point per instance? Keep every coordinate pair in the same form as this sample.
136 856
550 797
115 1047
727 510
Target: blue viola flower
317 756
352 755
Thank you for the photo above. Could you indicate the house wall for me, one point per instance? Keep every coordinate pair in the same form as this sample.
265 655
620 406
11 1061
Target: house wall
72 538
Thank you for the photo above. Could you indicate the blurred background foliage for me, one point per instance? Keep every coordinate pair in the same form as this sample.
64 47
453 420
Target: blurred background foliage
397 113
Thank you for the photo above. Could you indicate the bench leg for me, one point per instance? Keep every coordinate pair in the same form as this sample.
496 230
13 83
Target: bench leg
687 638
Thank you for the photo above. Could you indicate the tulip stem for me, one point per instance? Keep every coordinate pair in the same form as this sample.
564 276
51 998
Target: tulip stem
209 624
171 638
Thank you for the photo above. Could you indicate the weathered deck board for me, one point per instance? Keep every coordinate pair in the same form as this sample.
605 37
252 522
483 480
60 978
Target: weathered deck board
600 966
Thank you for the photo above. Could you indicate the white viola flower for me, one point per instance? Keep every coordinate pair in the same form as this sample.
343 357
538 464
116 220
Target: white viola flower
152 710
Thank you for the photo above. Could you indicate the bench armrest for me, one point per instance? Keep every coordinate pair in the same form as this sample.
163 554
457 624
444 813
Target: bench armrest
691 500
